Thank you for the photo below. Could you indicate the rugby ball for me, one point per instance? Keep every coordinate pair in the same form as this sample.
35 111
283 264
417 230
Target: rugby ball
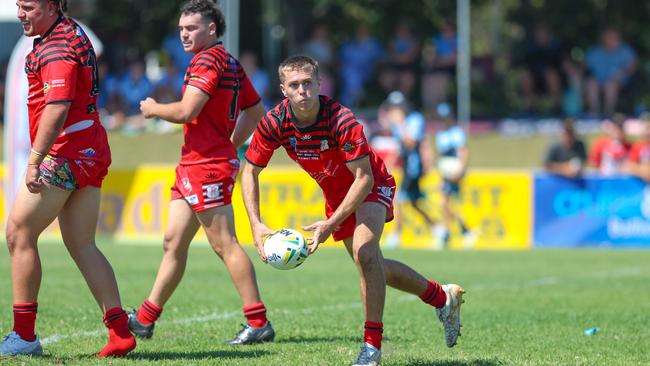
450 167
286 249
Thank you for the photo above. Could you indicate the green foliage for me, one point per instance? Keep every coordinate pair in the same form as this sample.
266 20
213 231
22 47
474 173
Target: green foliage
522 308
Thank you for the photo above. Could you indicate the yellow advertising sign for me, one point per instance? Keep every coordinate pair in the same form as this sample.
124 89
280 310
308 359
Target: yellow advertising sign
134 206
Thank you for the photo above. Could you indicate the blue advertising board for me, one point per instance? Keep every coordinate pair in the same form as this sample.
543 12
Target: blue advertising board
591 211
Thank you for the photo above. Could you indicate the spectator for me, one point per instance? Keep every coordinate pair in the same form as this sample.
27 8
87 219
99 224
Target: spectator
170 86
568 156
543 73
109 102
610 66
408 127
258 77
638 163
609 152
358 58
133 87
318 47
401 60
439 61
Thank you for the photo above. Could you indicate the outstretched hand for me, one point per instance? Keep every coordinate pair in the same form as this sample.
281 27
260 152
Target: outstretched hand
260 233
322 230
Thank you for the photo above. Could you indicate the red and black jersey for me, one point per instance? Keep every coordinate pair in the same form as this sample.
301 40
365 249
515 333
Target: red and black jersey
62 67
321 149
218 74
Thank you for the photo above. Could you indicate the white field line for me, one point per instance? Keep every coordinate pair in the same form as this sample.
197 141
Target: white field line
542 281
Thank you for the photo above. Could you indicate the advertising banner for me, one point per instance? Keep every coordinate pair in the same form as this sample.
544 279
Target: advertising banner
591 211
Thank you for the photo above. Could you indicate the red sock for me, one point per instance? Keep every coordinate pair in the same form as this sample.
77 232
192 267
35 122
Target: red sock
255 314
434 295
372 333
120 340
24 319
149 312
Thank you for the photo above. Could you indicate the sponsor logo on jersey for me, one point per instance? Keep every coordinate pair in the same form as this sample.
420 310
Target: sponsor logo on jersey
292 141
198 78
234 162
192 200
91 109
348 147
46 87
324 145
211 176
306 137
385 191
89 152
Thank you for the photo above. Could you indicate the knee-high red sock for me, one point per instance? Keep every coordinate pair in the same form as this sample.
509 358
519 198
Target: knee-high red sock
24 320
120 340
434 295
255 315
372 333
149 312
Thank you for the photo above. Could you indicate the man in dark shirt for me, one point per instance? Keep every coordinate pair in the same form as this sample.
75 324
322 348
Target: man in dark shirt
566 157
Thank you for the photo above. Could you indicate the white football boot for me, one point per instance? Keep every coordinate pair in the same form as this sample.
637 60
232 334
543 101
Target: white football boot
368 356
449 315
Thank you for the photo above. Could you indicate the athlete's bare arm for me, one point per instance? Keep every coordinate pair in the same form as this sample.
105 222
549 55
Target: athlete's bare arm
49 128
250 188
183 111
359 190
246 124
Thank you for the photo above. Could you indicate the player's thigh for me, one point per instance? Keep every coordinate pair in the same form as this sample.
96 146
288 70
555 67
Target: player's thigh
32 213
370 217
182 225
219 226
78 217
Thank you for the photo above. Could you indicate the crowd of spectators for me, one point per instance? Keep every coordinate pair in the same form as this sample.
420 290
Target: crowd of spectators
421 66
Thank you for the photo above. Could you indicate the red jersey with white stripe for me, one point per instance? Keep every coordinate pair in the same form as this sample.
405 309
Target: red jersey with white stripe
218 74
321 149
62 67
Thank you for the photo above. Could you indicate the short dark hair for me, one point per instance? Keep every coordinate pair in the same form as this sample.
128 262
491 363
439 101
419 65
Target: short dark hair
297 63
62 5
208 9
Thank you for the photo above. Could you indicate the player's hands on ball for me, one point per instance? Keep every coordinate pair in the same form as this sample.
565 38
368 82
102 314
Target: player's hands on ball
322 230
33 179
260 232
146 107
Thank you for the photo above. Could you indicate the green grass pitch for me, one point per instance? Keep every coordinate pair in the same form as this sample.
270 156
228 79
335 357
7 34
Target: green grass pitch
522 308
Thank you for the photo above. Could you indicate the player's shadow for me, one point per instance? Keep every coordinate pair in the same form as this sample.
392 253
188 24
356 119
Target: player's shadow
477 362
199 355
299 340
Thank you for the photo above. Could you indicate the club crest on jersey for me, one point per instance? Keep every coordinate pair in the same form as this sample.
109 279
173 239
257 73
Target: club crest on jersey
186 184
324 145
212 192
89 152
293 142
348 147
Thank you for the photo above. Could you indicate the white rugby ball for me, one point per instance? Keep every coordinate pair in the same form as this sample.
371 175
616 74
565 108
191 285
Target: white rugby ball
450 167
286 249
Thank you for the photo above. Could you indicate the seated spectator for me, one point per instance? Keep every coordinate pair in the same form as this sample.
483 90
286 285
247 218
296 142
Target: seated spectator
403 52
439 61
543 73
638 163
319 47
610 152
109 101
170 86
257 76
568 156
133 87
610 65
358 58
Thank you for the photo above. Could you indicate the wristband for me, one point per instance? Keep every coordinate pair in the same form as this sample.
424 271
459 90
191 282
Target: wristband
37 153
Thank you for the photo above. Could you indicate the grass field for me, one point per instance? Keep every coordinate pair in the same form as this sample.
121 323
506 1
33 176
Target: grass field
522 308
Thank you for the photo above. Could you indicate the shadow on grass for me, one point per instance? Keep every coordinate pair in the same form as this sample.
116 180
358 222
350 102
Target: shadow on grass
479 362
196 355
316 339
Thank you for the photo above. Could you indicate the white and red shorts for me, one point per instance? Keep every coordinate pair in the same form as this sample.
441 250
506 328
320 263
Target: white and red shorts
206 186
383 192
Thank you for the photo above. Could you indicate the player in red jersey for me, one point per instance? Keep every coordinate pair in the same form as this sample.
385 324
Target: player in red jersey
68 161
215 91
638 163
326 140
